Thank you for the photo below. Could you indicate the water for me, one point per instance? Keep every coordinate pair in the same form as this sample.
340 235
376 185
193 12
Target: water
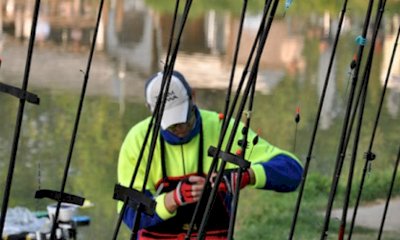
131 46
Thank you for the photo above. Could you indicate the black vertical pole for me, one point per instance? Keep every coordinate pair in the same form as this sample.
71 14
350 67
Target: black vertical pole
252 79
389 195
342 144
225 125
77 119
149 127
167 78
363 91
17 131
369 155
316 123
236 191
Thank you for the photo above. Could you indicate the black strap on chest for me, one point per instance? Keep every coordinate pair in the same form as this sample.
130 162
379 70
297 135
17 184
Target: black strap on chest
199 160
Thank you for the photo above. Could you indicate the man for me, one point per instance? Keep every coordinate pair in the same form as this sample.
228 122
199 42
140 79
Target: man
180 164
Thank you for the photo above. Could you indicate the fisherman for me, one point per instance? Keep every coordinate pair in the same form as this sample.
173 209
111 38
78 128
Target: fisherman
181 163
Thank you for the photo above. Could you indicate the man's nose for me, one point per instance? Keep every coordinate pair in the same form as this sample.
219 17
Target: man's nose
180 127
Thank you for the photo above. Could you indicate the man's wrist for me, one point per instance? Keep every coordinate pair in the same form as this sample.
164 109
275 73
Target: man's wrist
170 203
252 176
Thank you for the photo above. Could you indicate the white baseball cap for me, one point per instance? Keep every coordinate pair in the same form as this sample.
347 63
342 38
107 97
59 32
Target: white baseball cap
178 100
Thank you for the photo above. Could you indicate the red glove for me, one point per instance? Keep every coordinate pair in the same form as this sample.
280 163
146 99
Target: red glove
229 180
188 190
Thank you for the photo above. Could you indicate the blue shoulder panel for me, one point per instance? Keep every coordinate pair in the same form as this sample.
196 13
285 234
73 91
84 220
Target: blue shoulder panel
283 173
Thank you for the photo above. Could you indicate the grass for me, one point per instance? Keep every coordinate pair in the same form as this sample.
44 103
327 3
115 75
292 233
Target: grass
268 215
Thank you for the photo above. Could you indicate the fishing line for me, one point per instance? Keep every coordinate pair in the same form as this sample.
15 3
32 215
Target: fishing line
24 96
342 149
389 195
369 155
316 123
252 78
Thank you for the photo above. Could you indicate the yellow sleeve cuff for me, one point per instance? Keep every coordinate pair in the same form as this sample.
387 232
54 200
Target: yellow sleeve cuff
259 175
161 210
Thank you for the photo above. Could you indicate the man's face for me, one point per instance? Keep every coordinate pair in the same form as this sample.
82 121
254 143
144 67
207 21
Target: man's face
183 129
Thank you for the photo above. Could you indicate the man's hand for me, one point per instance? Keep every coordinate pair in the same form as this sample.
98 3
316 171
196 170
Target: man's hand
188 190
230 179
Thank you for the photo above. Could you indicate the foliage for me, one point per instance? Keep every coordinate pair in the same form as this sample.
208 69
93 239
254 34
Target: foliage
298 8
199 7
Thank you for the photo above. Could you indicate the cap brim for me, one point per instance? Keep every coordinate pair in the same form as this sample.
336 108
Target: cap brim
175 115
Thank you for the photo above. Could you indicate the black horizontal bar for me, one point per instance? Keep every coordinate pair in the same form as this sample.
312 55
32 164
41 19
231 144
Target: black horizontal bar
229 157
135 198
19 93
66 198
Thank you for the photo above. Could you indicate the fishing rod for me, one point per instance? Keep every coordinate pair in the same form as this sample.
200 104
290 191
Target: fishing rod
389 195
234 61
171 35
224 127
143 204
369 155
242 163
241 153
167 75
366 78
316 123
23 96
224 124
61 194
342 146
149 127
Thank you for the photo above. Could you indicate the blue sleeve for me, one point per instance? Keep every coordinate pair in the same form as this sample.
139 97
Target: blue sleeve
283 173
145 220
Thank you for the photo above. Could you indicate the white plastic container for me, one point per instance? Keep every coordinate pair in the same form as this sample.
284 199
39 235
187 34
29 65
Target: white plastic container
67 211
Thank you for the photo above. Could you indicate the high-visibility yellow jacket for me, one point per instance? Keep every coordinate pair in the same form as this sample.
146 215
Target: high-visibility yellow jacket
274 168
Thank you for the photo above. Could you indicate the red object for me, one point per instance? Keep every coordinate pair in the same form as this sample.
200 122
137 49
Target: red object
229 181
210 235
183 193
221 116
239 152
297 118
353 62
